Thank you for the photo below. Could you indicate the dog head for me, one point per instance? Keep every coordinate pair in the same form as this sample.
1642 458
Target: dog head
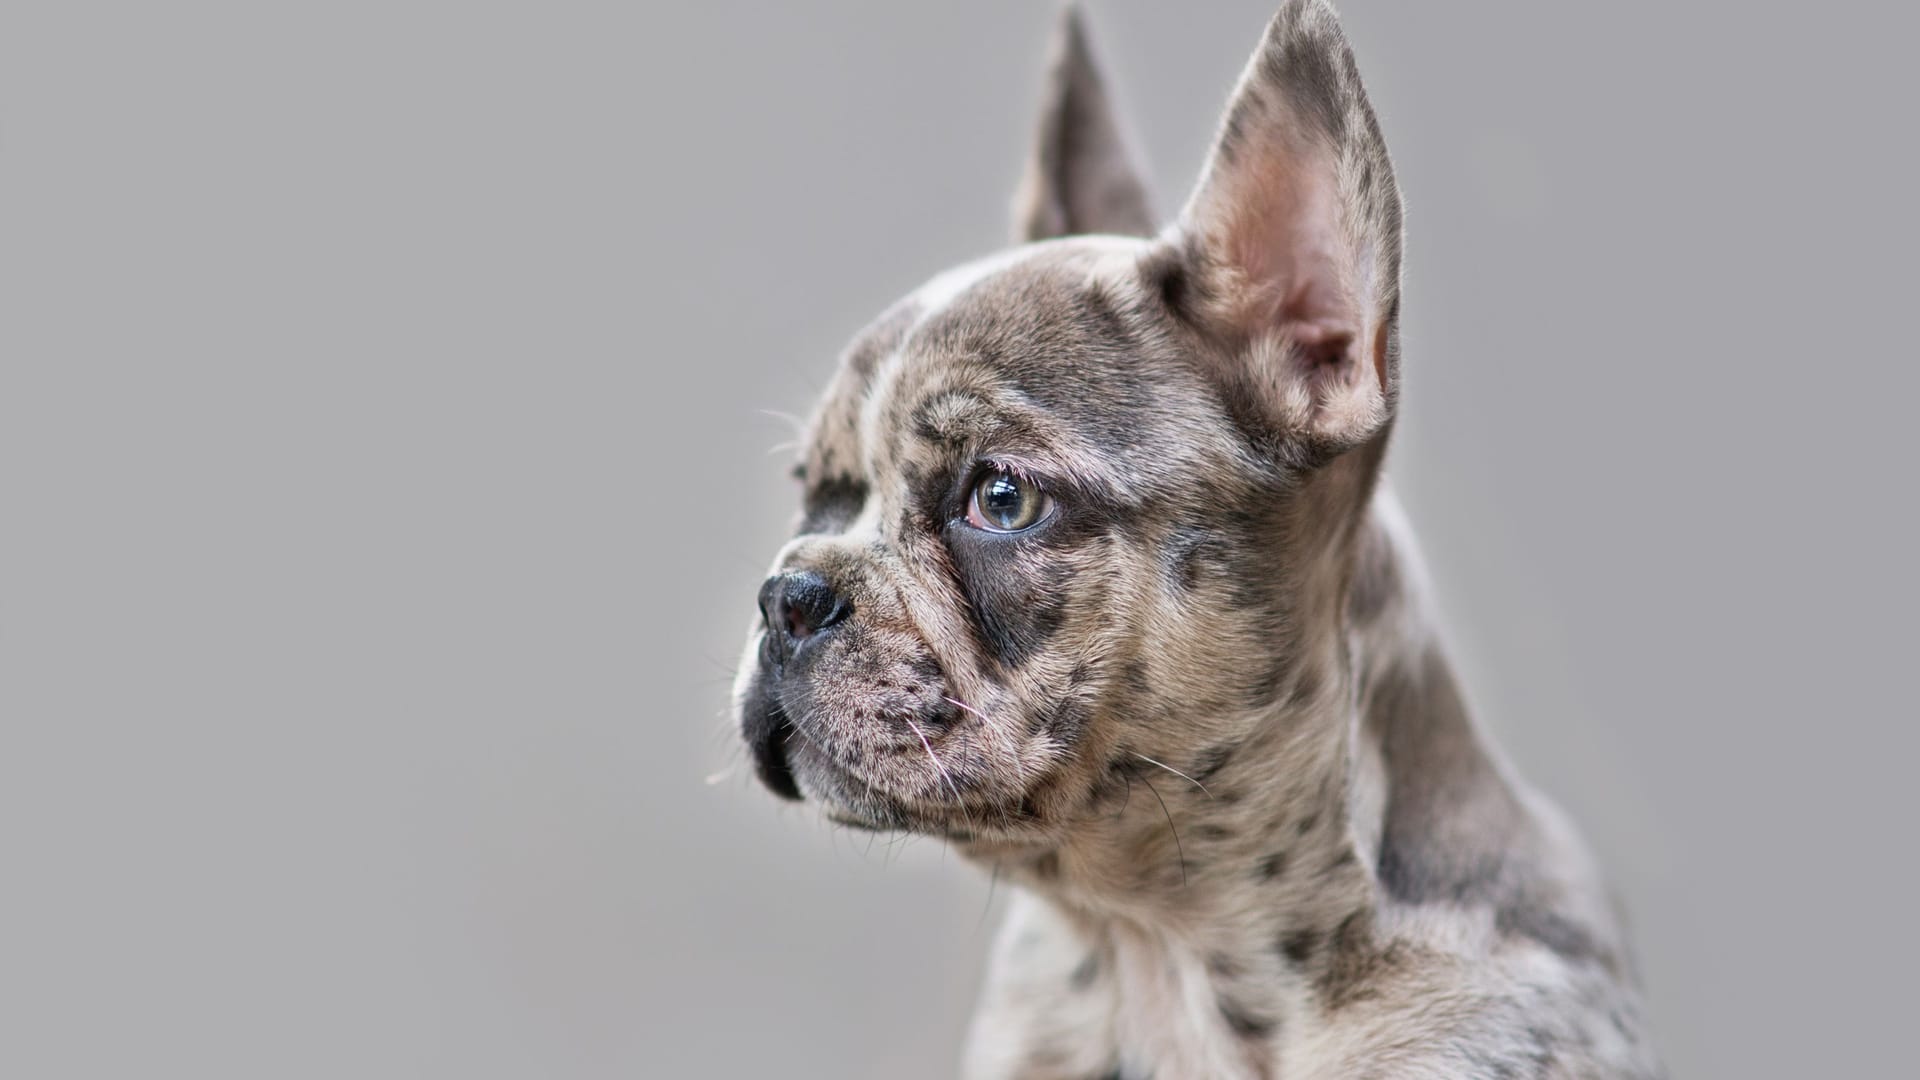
1080 503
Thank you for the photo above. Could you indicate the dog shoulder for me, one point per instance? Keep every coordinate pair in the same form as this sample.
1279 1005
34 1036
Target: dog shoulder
1523 1011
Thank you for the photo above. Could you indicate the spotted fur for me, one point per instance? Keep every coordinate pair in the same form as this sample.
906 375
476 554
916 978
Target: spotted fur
1197 715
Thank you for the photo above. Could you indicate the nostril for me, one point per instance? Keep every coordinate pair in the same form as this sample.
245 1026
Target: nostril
797 627
801 604
840 610
809 604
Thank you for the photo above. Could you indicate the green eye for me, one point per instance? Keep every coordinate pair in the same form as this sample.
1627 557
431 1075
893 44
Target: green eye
1003 502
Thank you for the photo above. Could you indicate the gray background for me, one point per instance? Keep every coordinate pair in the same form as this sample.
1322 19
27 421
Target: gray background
386 486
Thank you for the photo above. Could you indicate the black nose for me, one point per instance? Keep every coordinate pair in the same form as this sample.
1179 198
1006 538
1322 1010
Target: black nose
799 604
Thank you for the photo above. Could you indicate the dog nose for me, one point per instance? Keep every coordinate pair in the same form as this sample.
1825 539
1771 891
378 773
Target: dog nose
799 604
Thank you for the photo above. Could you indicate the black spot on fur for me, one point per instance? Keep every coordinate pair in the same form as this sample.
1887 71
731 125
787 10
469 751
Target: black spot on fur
1245 1024
1169 278
934 419
1308 682
1264 688
1102 318
1350 958
929 493
1114 783
1210 761
1191 557
1211 831
1065 718
831 503
1550 929
926 670
1172 285
1047 866
1298 947
1273 866
1356 962
1085 972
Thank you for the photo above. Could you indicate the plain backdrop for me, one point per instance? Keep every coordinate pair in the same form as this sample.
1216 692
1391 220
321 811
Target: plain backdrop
390 458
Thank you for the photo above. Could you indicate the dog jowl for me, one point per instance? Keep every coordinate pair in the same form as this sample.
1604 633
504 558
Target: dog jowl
1095 578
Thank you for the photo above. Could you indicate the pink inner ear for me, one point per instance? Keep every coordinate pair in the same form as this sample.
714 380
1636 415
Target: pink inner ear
1276 217
1294 226
1319 343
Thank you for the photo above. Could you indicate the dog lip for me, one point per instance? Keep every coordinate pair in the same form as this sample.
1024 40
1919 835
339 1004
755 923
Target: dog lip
768 743
853 820
1003 828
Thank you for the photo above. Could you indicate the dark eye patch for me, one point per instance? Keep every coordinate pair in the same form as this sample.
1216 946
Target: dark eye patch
1017 584
1016 602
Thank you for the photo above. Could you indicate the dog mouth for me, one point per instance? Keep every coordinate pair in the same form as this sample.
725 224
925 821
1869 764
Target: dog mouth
768 733
847 799
898 781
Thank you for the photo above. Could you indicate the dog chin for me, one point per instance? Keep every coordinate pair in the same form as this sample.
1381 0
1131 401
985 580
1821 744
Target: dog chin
870 817
847 799
791 769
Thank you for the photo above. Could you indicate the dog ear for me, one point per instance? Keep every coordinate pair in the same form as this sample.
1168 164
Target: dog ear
1079 178
1288 252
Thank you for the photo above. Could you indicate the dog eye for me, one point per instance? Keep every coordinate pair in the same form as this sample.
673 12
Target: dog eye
1003 502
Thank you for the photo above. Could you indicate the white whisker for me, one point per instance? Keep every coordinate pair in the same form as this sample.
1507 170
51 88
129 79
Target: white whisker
961 704
798 425
944 775
1179 851
1176 772
1019 765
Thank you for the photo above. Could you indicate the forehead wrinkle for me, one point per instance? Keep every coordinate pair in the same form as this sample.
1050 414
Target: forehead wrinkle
1002 419
1024 436
954 417
926 304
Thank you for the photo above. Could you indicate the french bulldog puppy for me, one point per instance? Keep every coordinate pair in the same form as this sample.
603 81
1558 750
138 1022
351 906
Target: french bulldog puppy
1095 578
